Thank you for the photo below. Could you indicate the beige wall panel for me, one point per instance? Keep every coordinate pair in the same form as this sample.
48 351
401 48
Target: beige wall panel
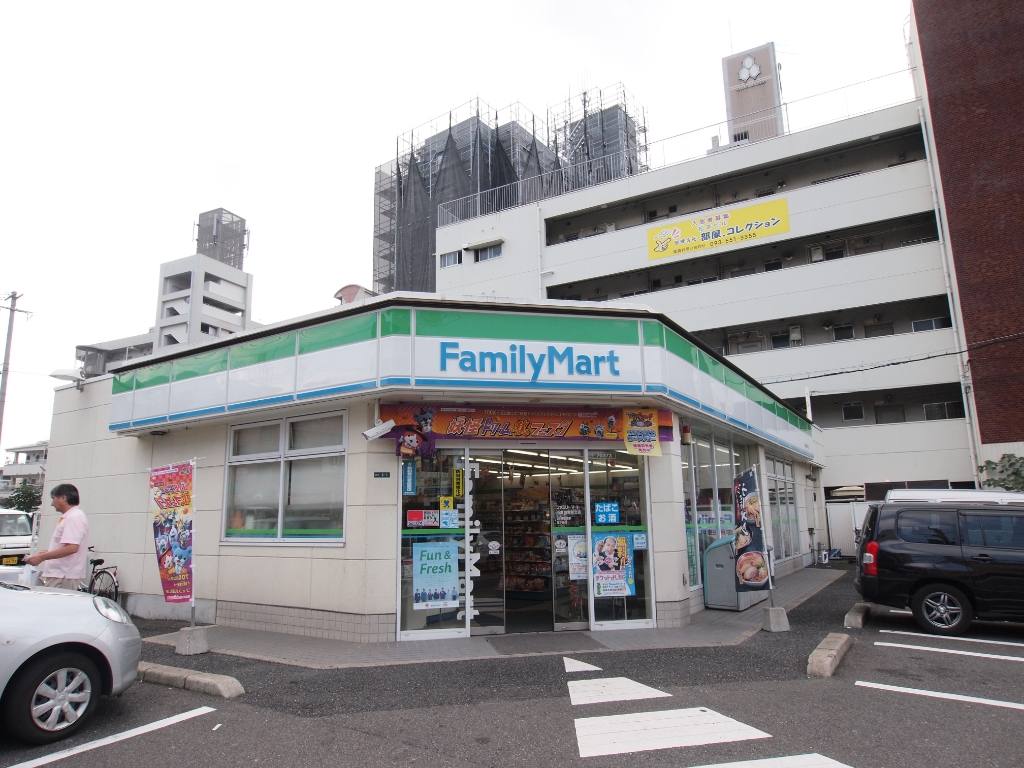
380 589
271 582
670 576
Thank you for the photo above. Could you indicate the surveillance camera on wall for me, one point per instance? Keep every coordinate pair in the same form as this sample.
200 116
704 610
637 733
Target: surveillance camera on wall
379 430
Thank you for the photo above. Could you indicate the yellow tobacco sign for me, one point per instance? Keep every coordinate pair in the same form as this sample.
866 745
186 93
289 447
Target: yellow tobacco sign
458 479
711 230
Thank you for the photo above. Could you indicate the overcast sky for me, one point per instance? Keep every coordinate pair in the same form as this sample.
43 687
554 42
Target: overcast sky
123 121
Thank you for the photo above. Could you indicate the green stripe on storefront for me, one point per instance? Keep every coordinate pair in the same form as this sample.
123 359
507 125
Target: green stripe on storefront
153 376
337 334
522 327
680 347
735 382
263 350
214 361
396 322
123 382
654 334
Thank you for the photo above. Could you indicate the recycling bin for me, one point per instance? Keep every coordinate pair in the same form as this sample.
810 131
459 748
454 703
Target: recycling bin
720 579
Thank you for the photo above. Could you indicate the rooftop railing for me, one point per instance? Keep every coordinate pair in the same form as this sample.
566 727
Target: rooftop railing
792 117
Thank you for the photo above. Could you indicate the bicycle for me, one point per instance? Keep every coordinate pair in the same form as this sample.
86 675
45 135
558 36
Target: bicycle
103 581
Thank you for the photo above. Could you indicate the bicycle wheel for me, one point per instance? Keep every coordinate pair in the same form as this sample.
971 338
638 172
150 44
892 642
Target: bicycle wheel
103 584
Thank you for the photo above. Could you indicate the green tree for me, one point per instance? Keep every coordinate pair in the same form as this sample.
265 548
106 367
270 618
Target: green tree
1007 473
25 498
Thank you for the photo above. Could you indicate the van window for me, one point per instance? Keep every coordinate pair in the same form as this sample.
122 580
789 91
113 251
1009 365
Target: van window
1003 530
927 527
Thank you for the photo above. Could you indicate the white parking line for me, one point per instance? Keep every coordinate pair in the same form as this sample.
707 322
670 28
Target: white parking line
604 689
155 726
646 731
940 695
901 612
949 637
793 761
952 651
574 665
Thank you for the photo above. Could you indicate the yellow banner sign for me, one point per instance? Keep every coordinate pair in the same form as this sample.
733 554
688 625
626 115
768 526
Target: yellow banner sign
711 230
458 483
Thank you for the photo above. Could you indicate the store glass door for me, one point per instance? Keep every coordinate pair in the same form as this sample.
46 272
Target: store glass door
528 583
484 492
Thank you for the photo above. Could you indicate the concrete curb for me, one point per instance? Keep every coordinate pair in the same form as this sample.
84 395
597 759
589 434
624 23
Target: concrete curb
201 682
857 616
824 660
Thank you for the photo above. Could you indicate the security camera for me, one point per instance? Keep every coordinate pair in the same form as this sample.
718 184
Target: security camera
379 430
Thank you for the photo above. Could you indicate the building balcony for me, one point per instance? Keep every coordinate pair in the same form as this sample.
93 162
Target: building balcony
773 367
878 453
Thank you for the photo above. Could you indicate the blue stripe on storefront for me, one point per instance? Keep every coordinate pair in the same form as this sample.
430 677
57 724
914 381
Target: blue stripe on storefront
263 401
120 425
199 412
528 385
153 420
336 390
392 380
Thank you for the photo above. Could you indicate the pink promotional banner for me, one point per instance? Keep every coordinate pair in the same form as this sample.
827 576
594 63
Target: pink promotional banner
171 507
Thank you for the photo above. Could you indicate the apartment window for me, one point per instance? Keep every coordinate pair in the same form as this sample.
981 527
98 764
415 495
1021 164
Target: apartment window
451 259
878 329
770 265
842 332
741 136
780 340
656 284
833 252
286 480
677 280
853 411
932 324
890 414
488 253
918 241
949 410
652 215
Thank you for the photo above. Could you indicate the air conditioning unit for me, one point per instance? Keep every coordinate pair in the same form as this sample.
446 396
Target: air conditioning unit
817 253
796 335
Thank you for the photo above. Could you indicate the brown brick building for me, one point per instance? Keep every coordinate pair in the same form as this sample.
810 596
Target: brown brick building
973 75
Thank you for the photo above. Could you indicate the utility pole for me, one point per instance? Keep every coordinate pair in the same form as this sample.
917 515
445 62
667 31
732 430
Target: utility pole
12 297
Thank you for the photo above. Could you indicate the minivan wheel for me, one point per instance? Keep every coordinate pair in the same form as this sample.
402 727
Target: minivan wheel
942 609
51 697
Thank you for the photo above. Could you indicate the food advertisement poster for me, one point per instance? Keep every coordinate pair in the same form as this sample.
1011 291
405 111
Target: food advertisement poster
419 426
613 564
712 230
171 509
577 557
435 575
752 566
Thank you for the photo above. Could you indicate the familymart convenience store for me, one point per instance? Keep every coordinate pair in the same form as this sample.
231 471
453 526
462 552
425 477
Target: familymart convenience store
537 475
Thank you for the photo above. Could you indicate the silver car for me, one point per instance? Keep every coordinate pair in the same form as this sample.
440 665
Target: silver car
59 652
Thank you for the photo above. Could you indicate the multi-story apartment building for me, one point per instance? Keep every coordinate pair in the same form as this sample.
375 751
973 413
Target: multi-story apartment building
812 258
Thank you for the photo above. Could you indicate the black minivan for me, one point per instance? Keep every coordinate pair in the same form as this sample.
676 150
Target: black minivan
951 562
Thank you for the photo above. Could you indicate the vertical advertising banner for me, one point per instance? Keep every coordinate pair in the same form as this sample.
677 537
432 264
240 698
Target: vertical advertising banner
613 564
435 575
172 511
751 552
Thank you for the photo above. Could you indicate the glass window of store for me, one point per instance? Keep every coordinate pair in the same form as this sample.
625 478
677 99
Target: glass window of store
620 557
782 502
710 463
286 480
433 544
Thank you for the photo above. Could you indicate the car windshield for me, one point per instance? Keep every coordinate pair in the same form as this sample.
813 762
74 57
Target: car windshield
15 524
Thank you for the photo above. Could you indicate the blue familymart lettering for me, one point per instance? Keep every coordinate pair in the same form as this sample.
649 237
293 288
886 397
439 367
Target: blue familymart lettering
518 360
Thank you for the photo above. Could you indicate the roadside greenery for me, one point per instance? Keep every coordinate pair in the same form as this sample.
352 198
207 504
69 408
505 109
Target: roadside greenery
25 498
1007 473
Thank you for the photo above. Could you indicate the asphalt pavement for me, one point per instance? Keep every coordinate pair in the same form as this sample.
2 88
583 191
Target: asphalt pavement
516 711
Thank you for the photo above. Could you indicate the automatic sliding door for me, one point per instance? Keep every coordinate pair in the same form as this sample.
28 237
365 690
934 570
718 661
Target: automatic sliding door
528 578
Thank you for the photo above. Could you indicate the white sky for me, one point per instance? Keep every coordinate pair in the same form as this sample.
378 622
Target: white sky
123 121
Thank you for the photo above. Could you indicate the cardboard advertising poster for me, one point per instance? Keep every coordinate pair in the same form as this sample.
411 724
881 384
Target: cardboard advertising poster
172 513
577 545
751 551
613 564
419 427
435 575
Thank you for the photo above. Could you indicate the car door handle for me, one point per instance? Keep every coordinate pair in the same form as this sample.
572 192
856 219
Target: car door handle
983 558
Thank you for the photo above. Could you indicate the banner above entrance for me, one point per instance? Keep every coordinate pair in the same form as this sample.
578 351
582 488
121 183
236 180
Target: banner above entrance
640 430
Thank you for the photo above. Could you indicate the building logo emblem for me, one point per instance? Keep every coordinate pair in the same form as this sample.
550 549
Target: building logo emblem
750 69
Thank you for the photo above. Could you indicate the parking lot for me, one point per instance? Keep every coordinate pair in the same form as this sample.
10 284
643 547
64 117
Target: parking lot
729 704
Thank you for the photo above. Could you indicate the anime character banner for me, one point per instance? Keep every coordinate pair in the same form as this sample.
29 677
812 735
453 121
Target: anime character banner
419 427
435 575
752 567
613 564
172 510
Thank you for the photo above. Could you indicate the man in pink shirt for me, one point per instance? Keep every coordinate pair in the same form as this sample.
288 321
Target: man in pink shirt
65 561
